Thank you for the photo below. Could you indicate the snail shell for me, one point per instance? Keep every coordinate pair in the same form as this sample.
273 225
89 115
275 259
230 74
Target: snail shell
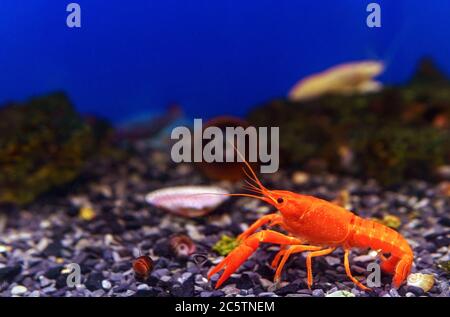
424 281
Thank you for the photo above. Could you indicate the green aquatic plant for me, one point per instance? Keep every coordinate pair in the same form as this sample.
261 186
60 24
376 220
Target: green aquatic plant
390 221
44 143
392 153
398 133
225 245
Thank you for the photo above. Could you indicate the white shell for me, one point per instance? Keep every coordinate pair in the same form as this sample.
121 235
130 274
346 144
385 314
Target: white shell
340 294
424 281
188 201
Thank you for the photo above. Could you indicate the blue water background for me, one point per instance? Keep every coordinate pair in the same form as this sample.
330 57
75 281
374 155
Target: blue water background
212 57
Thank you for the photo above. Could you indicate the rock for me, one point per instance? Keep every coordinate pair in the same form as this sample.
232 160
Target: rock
415 290
245 282
53 272
266 294
36 167
98 293
340 294
165 278
53 249
94 281
8 273
363 258
147 293
144 287
332 261
106 284
18 290
394 293
300 178
159 273
186 289
34 294
288 289
318 293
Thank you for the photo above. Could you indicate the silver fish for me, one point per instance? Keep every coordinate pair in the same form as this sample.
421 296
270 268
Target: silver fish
188 201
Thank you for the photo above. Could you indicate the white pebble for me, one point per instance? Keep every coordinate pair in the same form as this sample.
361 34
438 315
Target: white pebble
4 248
35 294
19 290
106 284
165 278
143 287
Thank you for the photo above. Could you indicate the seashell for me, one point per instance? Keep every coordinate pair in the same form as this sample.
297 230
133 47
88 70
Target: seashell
340 294
142 266
188 201
182 245
424 281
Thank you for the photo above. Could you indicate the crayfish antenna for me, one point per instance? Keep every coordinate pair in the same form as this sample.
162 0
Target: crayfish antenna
253 175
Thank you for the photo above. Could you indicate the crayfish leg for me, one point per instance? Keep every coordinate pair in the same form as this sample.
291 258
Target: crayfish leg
286 254
402 270
349 273
247 247
309 262
272 218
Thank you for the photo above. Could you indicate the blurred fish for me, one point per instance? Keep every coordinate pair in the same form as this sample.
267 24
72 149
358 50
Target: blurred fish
188 201
344 79
150 127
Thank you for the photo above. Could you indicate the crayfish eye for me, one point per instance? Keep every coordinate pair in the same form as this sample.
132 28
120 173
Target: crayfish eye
280 200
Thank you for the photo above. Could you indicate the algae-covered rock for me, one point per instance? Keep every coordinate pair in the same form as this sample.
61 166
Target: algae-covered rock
44 143
400 132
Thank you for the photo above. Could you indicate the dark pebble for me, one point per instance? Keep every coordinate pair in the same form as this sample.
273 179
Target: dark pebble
53 249
53 272
217 294
8 273
162 248
318 293
185 290
211 229
415 290
94 281
121 288
445 221
245 282
288 289
146 293
61 281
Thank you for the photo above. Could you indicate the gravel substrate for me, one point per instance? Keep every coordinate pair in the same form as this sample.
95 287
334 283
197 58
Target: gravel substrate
37 242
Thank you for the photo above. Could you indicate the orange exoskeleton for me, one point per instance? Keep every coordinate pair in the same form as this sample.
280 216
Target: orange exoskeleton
317 226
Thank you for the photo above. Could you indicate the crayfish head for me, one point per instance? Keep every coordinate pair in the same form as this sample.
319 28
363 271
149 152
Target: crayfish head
283 200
